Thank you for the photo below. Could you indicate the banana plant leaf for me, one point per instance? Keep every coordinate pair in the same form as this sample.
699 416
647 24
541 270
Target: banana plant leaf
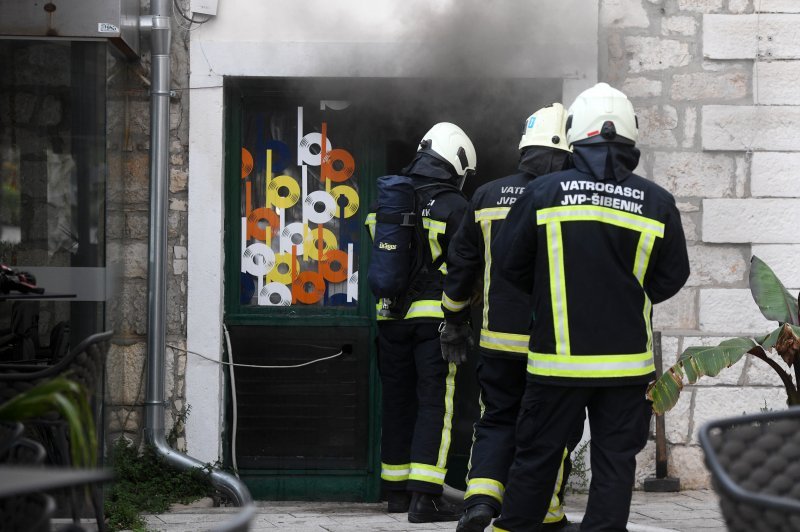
774 300
67 398
694 363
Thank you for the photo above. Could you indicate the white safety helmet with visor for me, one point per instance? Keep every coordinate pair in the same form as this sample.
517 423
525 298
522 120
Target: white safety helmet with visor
448 142
547 128
602 114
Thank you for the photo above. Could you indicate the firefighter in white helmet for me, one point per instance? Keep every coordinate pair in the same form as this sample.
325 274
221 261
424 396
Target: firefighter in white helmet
595 246
506 319
418 384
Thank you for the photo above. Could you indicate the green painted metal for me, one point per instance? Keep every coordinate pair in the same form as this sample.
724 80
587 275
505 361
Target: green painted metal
309 486
332 485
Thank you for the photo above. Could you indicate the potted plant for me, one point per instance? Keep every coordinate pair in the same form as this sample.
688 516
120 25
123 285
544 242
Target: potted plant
67 398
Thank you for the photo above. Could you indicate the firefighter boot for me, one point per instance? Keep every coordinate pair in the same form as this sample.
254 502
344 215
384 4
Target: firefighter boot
398 501
476 518
427 508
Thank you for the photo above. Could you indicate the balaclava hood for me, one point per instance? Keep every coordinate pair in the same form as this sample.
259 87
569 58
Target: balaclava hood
540 160
607 160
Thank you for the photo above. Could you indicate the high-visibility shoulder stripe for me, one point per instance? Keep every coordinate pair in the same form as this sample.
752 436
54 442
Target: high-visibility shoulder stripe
513 343
591 366
452 305
558 287
435 228
486 231
424 308
434 225
485 486
578 213
370 223
643 252
492 213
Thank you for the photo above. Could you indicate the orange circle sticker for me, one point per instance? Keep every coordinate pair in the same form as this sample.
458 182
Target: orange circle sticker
309 287
254 228
334 266
338 165
247 163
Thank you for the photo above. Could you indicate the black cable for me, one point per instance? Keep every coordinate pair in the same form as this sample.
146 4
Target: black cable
190 19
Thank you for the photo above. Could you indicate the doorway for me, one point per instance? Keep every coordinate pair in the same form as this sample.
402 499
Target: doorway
307 425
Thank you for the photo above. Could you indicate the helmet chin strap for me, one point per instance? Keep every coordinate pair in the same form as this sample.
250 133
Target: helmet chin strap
463 178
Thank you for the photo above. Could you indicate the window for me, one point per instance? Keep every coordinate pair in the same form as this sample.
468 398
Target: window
53 177
299 204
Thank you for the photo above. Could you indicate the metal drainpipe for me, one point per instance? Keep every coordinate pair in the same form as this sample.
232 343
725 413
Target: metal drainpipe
154 406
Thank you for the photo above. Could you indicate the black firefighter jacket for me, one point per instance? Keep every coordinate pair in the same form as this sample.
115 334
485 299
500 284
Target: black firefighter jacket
596 246
506 310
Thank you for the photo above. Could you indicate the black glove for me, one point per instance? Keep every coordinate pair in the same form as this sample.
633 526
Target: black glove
456 339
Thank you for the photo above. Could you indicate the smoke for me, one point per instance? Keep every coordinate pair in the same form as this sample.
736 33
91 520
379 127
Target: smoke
483 65
502 38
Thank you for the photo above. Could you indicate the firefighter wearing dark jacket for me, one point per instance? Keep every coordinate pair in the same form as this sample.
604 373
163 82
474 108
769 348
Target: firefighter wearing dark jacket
505 324
596 246
418 385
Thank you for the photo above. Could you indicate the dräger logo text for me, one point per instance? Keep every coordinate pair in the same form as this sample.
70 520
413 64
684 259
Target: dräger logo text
387 246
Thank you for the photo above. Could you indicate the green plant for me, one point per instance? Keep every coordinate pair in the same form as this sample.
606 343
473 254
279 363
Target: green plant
67 398
776 303
145 483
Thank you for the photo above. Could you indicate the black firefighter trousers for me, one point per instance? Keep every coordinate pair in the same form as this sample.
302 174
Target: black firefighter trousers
418 400
619 421
502 385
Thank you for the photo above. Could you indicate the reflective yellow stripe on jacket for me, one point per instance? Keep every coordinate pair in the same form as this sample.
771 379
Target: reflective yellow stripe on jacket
499 341
485 217
452 305
435 228
562 363
424 308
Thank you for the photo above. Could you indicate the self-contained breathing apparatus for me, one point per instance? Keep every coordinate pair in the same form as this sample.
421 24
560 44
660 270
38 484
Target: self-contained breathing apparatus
399 271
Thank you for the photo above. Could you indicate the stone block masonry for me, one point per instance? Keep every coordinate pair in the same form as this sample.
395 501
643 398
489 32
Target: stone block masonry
714 85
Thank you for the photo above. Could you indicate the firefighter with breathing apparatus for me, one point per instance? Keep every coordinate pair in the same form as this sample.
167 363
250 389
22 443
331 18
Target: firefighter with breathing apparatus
417 214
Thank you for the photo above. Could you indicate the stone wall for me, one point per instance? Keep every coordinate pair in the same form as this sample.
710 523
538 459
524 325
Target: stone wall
712 82
128 228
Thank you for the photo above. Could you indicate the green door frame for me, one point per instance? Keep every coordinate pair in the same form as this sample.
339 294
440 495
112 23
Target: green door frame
298 484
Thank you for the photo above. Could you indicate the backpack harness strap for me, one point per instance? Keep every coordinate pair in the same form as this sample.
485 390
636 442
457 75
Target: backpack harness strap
406 219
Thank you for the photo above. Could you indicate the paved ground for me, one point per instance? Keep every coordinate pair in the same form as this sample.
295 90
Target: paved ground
650 512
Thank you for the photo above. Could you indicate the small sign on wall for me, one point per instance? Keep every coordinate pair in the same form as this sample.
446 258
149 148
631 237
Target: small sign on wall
204 7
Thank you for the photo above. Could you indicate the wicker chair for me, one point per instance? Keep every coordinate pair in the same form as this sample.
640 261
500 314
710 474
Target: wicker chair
755 468
30 511
84 364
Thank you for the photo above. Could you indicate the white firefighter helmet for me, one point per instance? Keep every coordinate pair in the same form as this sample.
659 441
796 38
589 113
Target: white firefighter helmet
449 143
602 114
546 127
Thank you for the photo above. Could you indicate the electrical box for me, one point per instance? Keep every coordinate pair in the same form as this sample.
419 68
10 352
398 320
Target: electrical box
205 7
116 21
